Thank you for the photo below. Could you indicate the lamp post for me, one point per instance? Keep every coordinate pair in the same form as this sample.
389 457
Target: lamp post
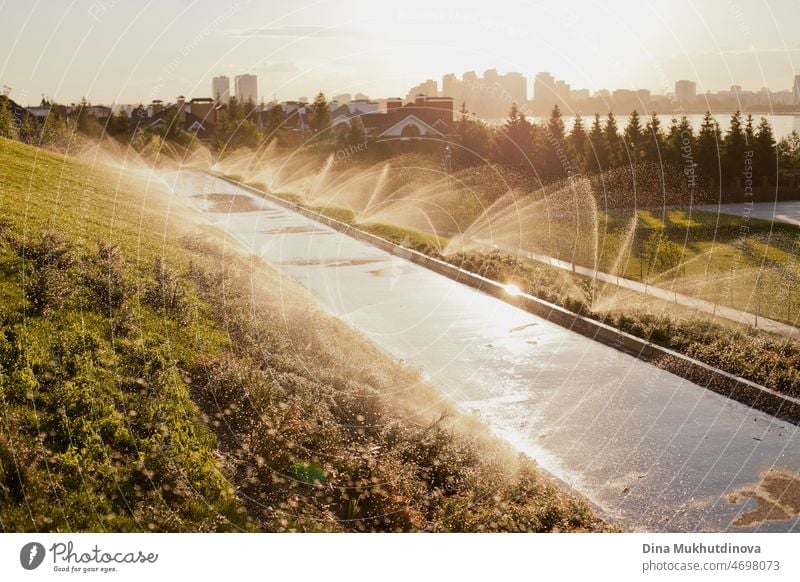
447 165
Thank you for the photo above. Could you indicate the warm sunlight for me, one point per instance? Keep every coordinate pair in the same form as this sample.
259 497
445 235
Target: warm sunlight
447 267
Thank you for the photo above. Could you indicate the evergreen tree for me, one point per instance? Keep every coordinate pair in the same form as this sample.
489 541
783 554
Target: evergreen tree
174 128
248 109
54 129
86 123
275 119
233 112
577 144
29 129
514 142
119 124
707 153
473 137
749 132
613 141
596 148
764 153
654 141
680 142
733 160
8 127
320 119
789 151
634 139
554 146
356 135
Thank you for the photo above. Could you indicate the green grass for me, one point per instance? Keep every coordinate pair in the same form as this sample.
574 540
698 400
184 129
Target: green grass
147 384
706 255
97 428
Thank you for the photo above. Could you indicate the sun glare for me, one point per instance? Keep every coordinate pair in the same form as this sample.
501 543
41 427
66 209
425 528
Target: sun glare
512 289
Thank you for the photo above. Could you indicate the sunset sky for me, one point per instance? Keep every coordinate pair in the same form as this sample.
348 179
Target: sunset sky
124 52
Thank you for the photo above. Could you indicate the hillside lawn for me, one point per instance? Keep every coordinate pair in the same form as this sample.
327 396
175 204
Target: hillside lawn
153 378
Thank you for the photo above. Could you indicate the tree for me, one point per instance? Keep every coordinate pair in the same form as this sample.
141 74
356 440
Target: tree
764 154
613 141
474 138
320 119
85 122
274 122
554 146
577 143
634 139
749 132
597 150
356 135
654 140
707 150
8 127
789 151
54 129
233 112
680 142
174 128
733 159
514 142
29 129
119 124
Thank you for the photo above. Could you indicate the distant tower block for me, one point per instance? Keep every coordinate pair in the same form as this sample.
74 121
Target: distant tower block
685 90
221 89
247 89
796 90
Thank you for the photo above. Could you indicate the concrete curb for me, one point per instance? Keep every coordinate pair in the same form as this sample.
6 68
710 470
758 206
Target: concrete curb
719 381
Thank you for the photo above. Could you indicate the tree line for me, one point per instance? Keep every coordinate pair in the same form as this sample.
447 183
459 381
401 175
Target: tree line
707 155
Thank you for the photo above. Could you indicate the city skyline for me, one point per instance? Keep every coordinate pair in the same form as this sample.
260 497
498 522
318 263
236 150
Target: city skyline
109 51
223 87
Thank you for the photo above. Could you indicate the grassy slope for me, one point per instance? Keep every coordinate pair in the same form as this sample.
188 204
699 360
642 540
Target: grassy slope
208 395
749 265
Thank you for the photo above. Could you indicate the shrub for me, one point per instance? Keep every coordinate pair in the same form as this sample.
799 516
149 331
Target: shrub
48 266
166 291
106 277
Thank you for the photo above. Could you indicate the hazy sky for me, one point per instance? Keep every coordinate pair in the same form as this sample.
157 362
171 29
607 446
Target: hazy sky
129 51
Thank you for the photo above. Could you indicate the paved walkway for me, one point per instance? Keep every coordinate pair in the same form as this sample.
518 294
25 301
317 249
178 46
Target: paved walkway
786 212
730 313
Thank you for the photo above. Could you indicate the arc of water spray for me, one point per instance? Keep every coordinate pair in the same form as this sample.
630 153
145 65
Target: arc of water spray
378 186
321 177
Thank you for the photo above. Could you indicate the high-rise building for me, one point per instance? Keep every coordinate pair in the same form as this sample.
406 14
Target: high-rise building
450 86
515 86
247 89
562 92
544 86
429 88
796 90
685 91
221 89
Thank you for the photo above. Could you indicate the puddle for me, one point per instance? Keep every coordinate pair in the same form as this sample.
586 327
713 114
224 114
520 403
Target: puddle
354 262
294 230
522 327
229 203
348 263
777 496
